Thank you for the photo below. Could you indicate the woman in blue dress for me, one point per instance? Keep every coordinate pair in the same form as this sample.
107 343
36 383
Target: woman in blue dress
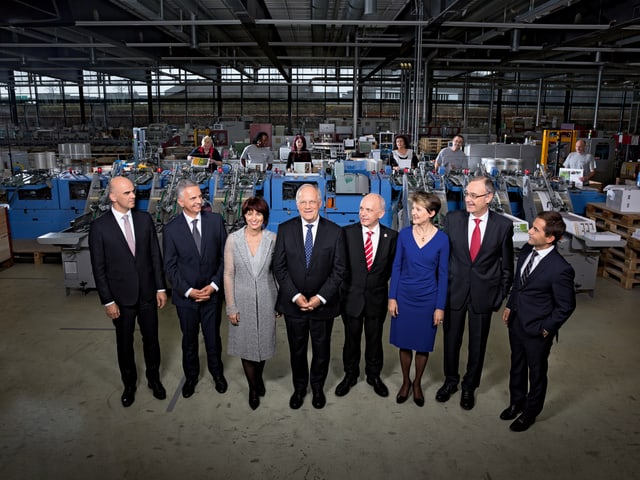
418 291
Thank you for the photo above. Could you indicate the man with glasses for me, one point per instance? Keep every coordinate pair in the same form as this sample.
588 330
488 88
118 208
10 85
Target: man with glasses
453 157
480 277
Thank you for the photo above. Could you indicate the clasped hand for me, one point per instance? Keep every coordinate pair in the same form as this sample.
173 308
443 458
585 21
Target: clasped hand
203 294
308 305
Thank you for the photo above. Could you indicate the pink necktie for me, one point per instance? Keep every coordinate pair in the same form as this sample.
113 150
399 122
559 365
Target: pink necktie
128 233
474 248
368 250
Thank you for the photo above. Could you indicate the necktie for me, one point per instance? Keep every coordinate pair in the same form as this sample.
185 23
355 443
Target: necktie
196 234
474 248
308 244
528 268
128 233
368 250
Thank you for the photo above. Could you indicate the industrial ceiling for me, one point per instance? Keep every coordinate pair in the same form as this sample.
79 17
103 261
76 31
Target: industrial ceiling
571 41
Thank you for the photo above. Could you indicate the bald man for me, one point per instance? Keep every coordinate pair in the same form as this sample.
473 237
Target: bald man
127 268
364 305
581 160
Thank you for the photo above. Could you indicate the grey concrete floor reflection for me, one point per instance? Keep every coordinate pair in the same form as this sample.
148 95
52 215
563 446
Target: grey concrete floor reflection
61 417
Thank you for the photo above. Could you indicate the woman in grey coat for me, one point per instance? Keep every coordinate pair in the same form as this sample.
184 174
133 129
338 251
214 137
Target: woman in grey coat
250 293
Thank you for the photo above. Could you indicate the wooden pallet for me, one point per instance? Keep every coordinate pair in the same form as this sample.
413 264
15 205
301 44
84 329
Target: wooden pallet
432 146
622 264
29 250
606 219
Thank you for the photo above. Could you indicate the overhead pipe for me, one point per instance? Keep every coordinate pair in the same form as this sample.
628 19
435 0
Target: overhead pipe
598 88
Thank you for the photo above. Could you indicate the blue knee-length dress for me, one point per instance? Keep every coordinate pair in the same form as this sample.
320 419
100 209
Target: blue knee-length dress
419 285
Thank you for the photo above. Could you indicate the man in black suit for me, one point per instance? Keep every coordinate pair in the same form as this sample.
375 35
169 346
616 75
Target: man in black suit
193 244
309 264
366 292
480 276
542 299
127 268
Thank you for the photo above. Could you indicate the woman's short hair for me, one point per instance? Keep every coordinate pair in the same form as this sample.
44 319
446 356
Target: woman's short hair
259 205
429 201
404 138
258 136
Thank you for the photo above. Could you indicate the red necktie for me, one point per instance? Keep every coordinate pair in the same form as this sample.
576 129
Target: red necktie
368 250
474 248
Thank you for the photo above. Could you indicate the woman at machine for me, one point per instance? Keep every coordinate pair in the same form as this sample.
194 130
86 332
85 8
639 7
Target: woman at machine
258 153
207 151
402 156
299 154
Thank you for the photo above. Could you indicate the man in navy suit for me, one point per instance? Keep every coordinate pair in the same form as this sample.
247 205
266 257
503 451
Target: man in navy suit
542 299
127 268
364 305
480 276
193 244
309 264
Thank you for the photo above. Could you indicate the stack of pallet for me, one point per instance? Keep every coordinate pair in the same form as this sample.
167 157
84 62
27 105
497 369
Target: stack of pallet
432 146
621 264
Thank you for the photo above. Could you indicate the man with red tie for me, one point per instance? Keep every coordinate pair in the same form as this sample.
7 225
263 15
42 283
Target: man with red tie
371 248
480 277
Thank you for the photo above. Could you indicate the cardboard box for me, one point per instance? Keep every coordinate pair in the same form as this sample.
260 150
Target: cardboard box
623 199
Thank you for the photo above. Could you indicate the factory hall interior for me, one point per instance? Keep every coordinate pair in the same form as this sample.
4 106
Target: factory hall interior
320 239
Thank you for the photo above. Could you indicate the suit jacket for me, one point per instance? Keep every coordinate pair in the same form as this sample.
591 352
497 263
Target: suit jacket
120 277
185 267
486 281
324 276
368 291
547 299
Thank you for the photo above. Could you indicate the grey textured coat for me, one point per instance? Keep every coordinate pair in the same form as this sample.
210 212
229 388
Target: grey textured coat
251 295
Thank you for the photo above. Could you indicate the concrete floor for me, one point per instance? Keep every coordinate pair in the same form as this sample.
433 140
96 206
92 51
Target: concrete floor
61 417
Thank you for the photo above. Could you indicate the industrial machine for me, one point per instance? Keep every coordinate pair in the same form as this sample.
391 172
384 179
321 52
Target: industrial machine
41 202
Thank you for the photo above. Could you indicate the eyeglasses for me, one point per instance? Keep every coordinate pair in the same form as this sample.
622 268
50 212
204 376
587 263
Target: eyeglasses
474 196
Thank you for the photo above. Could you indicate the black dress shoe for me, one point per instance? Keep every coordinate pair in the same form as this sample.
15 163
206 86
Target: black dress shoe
522 423
189 387
445 391
378 386
403 398
345 385
128 396
297 399
511 412
221 383
466 399
319 400
254 399
261 389
158 389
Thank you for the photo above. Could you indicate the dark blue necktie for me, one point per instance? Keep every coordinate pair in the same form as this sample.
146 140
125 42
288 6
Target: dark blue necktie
308 244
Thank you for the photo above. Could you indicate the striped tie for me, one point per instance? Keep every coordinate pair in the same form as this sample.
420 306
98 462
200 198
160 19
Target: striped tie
528 268
368 250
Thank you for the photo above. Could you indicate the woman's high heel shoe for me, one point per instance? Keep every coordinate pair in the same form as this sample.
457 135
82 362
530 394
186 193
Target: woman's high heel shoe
403 398
419 400
254 399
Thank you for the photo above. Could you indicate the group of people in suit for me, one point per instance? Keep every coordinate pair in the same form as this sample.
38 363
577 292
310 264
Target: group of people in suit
313 270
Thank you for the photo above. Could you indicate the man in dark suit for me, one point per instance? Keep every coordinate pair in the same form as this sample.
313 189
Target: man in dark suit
364 304
542 299
193 244
309 264
480 276
127 268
